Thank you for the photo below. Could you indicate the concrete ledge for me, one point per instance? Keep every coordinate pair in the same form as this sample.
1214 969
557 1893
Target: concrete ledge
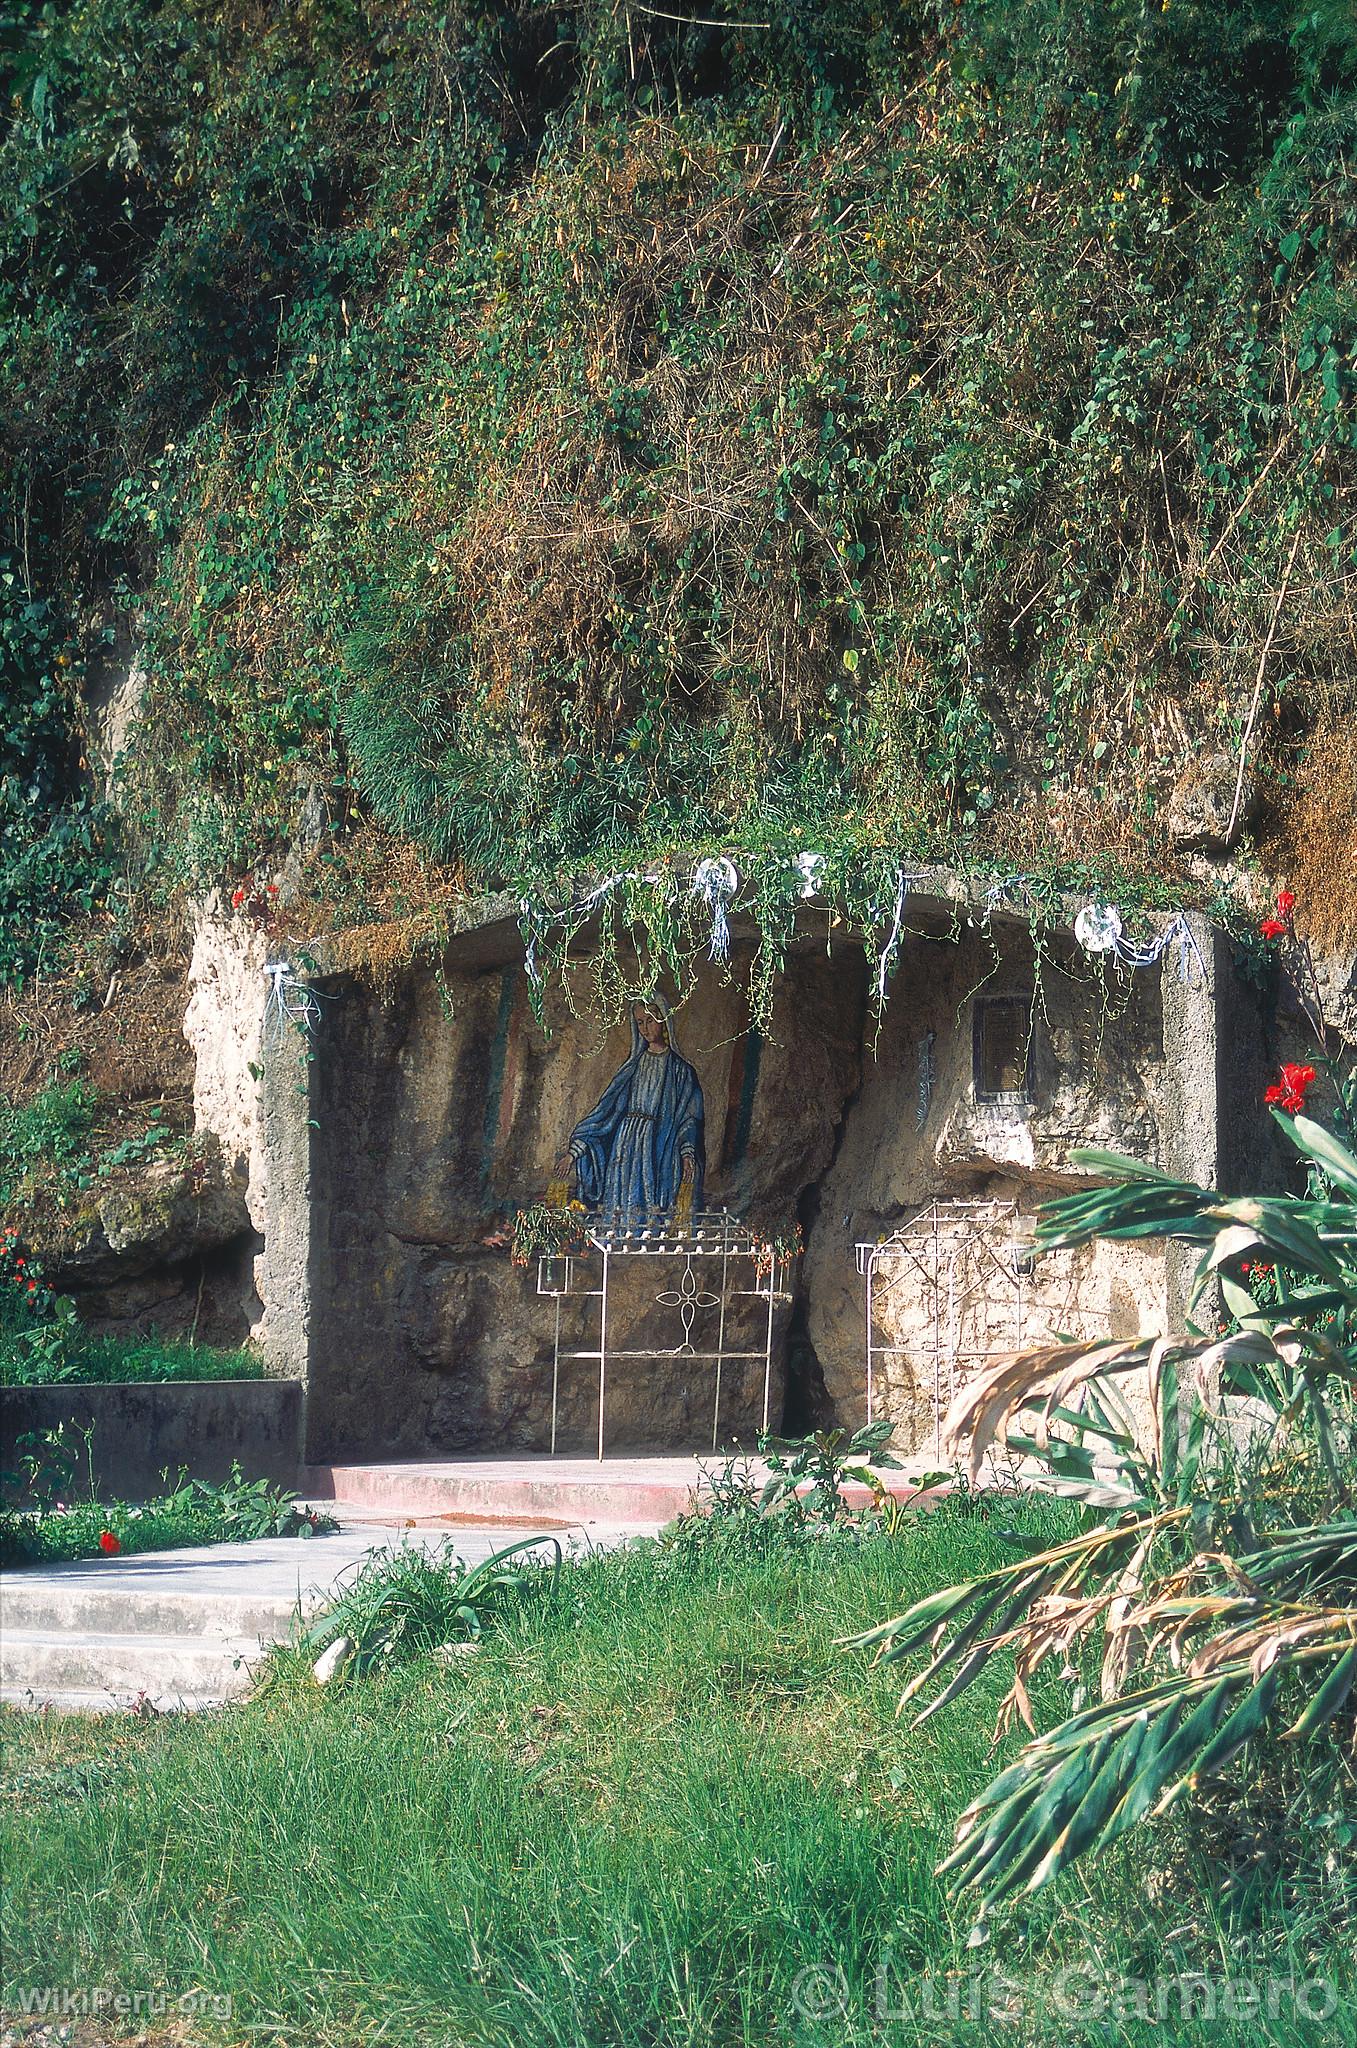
620 1492
142 1429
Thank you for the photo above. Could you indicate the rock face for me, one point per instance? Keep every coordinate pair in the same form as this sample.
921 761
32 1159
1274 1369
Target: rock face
171 1251
1337 976
440 1113
115 686
1202 814
224 1025
919 1132
388 1150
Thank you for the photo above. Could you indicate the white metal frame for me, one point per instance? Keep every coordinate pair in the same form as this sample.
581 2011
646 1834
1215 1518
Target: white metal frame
953 1252
712 1235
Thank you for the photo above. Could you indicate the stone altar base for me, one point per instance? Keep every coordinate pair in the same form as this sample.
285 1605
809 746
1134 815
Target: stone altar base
540 1491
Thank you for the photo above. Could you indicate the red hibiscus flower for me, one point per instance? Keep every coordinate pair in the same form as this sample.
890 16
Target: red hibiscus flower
1272 928
1286 903
1289 1092
237 898
109 1544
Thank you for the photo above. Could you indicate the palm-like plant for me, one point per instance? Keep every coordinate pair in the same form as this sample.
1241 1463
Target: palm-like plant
1221 1577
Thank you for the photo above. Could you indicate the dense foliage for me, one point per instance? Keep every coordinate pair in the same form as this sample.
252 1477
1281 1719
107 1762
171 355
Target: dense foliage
564 432
1220 1578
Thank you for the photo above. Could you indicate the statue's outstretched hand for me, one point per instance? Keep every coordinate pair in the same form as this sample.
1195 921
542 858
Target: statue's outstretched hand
562 1179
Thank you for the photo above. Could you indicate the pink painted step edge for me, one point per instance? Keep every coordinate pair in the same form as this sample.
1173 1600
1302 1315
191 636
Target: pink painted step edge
517 1500
524 1502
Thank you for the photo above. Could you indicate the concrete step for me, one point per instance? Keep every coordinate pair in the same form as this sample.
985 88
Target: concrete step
597 1495
540 1492
46 1605
86 1660
184 1628
82 1699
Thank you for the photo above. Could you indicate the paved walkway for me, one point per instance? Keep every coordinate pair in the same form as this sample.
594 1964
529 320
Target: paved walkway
181 1628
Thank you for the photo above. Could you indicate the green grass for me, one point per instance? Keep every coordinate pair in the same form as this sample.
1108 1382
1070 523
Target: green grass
107 1361
655 1796
196 1512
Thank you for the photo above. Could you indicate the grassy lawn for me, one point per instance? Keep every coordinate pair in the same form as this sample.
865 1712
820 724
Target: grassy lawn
84 1360
653 1799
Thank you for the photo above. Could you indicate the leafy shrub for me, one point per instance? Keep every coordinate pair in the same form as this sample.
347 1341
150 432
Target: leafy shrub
402 1603
928 401
194 1511
61 1352
1222 1575
51 1128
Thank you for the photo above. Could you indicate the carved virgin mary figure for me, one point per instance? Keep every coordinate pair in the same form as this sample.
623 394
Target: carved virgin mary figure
641 1148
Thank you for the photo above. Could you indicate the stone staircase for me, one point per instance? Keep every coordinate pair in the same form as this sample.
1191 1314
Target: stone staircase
537 1491
81 1646
182 1628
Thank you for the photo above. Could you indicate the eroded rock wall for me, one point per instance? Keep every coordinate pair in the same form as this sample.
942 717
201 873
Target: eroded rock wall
387 1157
441 1110
917 1134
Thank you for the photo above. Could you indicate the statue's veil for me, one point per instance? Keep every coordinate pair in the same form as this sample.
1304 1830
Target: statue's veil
661 1008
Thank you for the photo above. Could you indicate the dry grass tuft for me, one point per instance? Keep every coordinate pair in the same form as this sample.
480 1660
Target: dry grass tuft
1316 846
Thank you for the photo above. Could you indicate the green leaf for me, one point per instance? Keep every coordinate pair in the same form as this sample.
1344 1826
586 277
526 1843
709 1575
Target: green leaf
1330 1697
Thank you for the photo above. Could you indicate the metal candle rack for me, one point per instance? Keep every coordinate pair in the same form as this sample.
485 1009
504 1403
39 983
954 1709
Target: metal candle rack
711 1236
957 1256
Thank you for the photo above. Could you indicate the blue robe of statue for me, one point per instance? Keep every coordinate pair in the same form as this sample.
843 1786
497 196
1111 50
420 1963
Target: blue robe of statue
628 1153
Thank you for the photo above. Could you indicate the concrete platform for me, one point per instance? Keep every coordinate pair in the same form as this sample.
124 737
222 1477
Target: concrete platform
178 1629
537 1491
542 1491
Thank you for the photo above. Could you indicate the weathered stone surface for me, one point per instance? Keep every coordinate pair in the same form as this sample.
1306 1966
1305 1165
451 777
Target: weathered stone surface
915 1133
224 1025
115 684
168 1250
387 1158
1337 975
428 1338
140 1431
1202 807
169 1215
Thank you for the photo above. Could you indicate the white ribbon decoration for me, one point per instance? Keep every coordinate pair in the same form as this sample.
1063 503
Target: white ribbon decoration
529 935
886 962
810 867
714 883
1098 929
289 998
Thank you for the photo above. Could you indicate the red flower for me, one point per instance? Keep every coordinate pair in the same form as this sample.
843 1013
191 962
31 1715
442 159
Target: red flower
32 1286
237 898
1289 1092
1286 903
1272 928
109 1544
273 889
